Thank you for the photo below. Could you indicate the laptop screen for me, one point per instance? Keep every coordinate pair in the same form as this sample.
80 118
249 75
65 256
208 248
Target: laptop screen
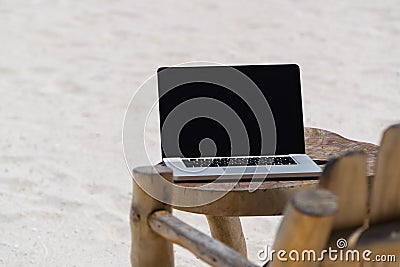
226 111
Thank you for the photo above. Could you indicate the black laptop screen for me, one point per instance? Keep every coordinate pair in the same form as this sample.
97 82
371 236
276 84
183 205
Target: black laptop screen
230 111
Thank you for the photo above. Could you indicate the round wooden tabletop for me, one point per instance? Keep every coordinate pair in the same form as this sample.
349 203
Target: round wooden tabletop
271 197
320 144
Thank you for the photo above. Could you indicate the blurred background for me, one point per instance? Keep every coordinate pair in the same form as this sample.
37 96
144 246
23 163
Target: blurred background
69 68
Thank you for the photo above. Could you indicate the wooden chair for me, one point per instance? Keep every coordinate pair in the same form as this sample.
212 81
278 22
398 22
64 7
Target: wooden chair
310 220
368 212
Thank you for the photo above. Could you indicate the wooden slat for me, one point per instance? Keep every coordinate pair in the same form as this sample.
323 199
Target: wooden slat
385 198
206 248
229 231
306 225
345 177
148 249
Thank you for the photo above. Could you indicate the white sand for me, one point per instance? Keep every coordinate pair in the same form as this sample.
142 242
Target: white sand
69 68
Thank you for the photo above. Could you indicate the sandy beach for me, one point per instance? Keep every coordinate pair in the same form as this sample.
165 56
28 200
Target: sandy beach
69 68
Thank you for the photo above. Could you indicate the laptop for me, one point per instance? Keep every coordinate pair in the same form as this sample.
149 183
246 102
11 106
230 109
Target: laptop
225 122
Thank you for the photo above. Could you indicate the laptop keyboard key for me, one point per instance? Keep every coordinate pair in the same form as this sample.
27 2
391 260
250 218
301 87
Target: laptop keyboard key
250 161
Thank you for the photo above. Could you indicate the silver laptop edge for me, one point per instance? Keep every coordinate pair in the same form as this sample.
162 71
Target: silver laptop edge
304 168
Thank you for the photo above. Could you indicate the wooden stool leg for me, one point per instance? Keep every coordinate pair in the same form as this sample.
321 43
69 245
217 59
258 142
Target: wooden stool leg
148 248
229 231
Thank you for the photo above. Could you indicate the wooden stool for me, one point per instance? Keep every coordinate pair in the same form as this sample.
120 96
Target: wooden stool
268 199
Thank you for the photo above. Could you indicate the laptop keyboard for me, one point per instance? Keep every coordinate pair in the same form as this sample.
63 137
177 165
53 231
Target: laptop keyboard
250 161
